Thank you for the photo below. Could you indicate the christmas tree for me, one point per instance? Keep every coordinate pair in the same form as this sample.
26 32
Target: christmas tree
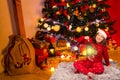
74 18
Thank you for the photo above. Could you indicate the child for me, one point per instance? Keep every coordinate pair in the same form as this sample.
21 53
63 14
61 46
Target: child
93 64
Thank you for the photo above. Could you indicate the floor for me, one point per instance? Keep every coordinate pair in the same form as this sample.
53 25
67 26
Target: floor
46 73
113 54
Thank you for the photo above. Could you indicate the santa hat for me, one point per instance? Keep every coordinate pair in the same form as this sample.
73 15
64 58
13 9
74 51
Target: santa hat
104 33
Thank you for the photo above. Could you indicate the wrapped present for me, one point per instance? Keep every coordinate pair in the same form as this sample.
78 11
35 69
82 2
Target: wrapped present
41 55
61 42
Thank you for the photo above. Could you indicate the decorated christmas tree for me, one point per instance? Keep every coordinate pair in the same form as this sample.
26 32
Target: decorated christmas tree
71 19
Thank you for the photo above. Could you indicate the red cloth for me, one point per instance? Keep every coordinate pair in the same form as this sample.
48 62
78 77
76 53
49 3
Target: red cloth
85 66
101 50
96 65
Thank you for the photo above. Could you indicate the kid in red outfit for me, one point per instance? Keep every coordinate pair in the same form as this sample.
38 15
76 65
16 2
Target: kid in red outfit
93 64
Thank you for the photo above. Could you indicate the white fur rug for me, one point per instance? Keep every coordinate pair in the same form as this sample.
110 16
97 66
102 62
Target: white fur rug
65 71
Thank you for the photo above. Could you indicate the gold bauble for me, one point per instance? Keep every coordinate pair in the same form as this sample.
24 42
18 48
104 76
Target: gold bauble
56 28
94 5
86 28
78 29
48 28
45 25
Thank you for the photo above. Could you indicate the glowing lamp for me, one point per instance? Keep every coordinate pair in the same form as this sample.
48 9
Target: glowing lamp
90 50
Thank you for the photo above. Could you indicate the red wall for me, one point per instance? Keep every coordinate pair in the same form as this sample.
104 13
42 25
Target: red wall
114 12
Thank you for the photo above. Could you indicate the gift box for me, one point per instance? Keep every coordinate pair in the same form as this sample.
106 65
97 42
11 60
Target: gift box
41 55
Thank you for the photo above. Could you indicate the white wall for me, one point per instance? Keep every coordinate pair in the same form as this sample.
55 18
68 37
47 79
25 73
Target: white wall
5 28
31 13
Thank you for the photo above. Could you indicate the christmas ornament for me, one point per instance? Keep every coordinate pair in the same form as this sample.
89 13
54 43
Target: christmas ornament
48 28
56 28
86 28
94 5
75 48
78 29
45 25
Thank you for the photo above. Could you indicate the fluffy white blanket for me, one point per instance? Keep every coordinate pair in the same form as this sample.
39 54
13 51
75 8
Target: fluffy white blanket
65 71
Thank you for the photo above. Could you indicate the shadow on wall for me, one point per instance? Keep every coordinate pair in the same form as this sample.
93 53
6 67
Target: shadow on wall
13 15
5 51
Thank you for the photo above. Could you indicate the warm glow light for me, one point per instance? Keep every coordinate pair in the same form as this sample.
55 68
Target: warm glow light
54 7
84 53
94 5
56 28
52 69
52 51
78 29
75 48
68 57
86 28
68 5
62 56
110 59
45 25
70 27
48 28
42 19
68 44
90 51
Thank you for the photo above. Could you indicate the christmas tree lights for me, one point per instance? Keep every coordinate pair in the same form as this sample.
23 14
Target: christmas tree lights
74 18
